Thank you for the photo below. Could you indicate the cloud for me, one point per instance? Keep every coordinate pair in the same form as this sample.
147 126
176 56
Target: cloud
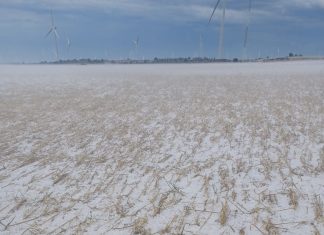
306 3
143 5
9 16
181 10
166 10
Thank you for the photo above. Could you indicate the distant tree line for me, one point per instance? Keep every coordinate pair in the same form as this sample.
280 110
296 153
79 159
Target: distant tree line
156 60
295 55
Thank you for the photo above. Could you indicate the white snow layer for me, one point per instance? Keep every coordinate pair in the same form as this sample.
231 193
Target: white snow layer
162 149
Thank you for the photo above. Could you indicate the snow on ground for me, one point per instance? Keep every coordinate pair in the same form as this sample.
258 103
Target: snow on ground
162 149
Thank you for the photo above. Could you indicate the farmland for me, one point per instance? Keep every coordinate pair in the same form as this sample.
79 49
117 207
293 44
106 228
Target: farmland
162 149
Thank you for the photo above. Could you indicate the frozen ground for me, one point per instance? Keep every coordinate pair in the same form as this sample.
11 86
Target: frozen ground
162 149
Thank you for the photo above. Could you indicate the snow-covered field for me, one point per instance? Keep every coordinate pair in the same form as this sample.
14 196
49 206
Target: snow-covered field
162 149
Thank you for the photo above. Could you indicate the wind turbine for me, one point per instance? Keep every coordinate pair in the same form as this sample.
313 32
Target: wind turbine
221 31
53 30
247 31
136 44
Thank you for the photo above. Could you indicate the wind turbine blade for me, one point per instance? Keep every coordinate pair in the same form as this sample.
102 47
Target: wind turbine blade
49 32
215 8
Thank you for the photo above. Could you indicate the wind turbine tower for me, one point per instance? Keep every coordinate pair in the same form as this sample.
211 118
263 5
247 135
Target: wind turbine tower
221 37
247 31
68 44
201 46
222 25
136 44
53 30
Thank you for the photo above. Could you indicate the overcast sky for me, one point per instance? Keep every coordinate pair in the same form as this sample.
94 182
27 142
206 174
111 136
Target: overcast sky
107 28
